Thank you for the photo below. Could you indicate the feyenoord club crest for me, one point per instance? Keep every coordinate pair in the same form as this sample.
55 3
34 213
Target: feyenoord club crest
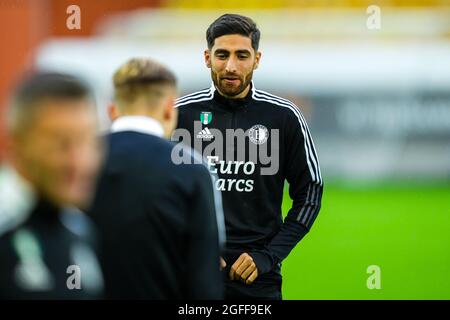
258 134
205 117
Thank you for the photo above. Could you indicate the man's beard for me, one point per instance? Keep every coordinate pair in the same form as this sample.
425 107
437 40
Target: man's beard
231 91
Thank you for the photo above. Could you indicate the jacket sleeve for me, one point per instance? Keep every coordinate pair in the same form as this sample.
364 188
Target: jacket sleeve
206 238
305 189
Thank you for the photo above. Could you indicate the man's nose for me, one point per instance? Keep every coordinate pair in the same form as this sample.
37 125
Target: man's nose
231 65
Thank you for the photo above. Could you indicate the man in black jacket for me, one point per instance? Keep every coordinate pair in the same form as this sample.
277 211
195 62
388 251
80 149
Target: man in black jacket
254 141
47 247
159 221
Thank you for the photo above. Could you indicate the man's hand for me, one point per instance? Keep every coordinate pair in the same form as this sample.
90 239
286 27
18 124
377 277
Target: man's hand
244 269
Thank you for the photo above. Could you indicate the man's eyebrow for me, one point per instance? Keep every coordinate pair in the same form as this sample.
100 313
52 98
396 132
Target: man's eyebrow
243 51
221 51
239 51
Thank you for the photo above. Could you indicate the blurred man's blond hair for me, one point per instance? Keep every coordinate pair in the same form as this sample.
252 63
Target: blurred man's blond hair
141 80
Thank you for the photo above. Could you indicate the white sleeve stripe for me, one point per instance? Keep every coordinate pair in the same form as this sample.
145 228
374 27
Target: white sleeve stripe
312 200
300 214
308 155
297 111
197 96
315 153
313 172
209 97
191 95
316 211
312 142
308 145
206 94
305 218
308 137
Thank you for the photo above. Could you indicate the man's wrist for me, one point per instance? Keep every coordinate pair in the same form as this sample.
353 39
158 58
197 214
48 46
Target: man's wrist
263 260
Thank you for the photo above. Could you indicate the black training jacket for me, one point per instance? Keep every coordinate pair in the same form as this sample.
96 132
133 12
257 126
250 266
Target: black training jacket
252 197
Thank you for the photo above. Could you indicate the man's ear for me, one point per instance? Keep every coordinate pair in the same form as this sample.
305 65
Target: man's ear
257 59
113 111
170 117
169 108
207 55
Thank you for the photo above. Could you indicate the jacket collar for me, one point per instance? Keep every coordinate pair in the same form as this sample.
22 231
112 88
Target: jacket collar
233 104
141 124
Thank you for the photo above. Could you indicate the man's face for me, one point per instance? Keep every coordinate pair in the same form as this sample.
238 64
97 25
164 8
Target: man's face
232 60
60 152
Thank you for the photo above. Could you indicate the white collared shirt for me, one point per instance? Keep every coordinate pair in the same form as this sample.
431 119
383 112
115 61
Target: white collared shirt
141 124
17 198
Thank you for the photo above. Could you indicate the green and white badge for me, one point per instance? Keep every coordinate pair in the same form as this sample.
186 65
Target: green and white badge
205 117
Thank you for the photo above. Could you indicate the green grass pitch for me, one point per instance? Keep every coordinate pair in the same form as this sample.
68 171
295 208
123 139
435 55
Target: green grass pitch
403 229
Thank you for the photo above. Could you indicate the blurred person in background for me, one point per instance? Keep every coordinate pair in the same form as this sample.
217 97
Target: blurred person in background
160 222
47 246
257 238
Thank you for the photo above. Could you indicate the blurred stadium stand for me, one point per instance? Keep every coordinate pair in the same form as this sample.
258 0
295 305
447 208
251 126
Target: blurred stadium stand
377 101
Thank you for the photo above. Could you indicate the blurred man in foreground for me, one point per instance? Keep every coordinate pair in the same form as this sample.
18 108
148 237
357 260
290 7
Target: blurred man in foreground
158 220
46 246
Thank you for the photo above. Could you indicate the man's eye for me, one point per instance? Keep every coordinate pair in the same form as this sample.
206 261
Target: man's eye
242 57
221 56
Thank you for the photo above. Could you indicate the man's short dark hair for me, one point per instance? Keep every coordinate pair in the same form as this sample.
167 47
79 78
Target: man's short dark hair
233 24
37 87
